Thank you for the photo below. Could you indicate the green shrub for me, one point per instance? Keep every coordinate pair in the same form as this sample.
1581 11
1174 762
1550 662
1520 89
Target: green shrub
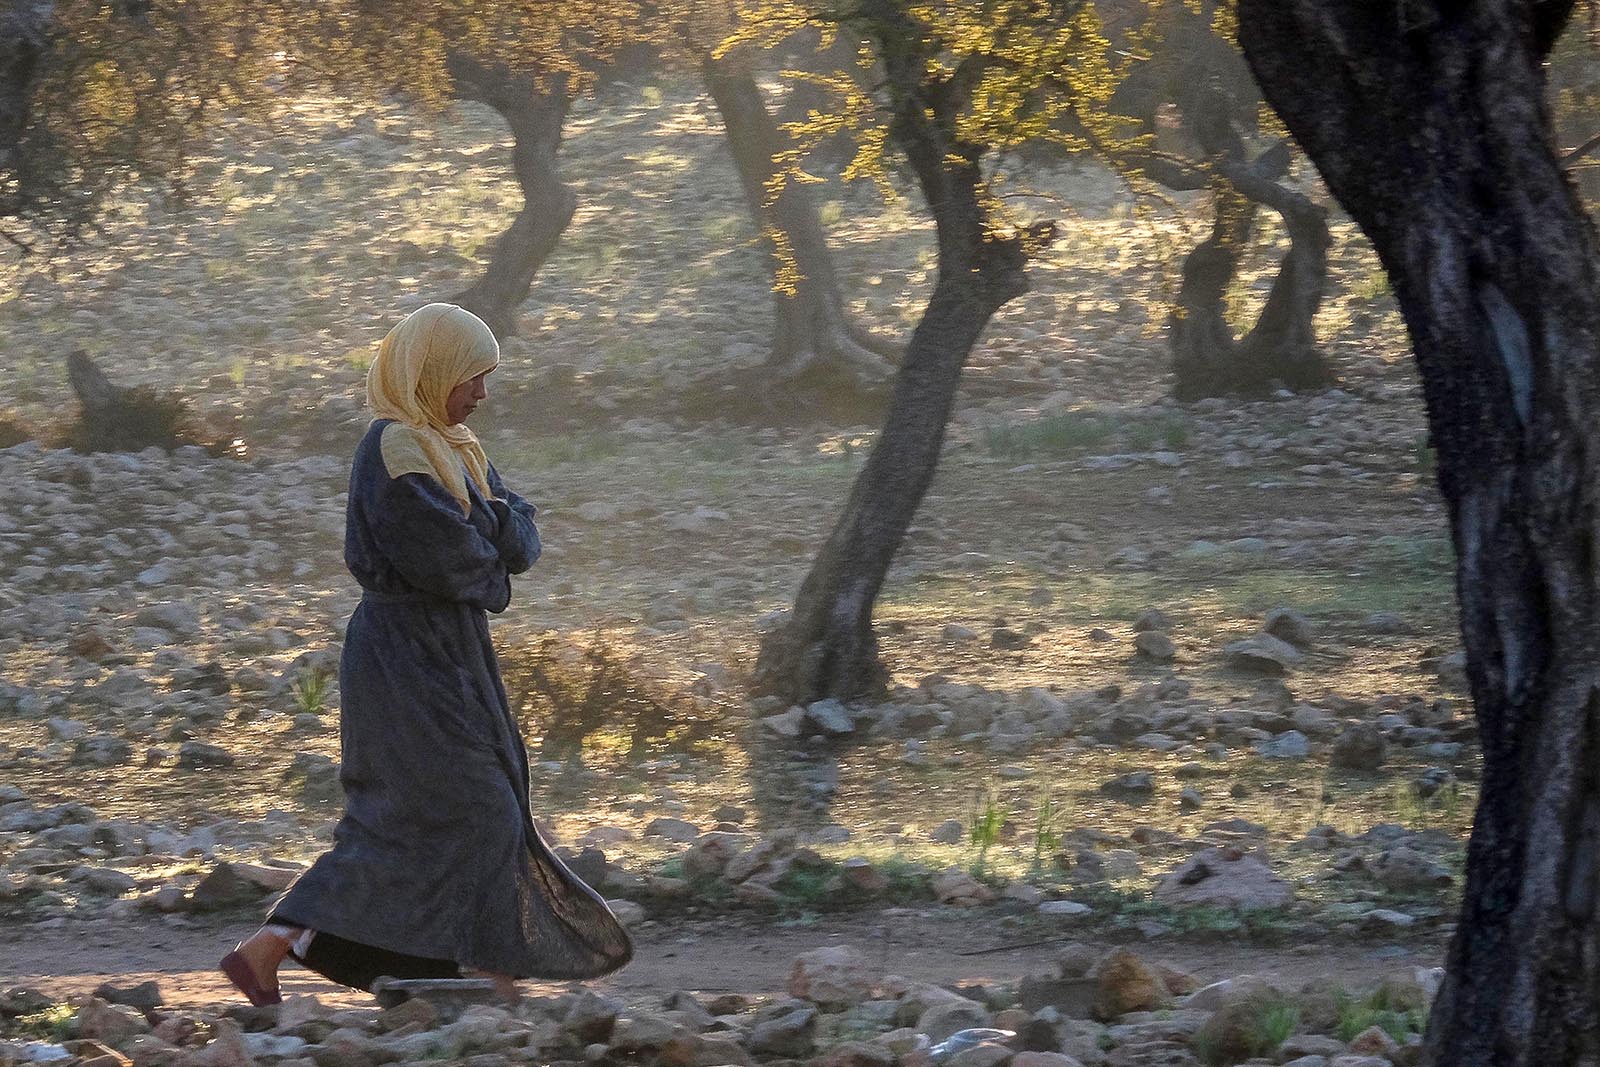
1377 1009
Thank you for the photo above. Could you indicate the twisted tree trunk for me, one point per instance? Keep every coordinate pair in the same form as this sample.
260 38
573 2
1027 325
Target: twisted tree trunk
536 111
827 647
1280 349
814 340
1428 121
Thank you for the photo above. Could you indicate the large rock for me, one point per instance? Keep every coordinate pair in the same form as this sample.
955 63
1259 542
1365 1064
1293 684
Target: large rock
1360 748
791 1034
226 1048
830 718
1406 870
590 1017
833 976
1262 654
231 885
942 1020
1374 1041
1135 785
143 996
955 886
102 750
671 829
198 754
1127 983
1224 876
1288 625
1155 645
175 617
1072 997
708 856
111 1023
1233 1032
1290 744
642 1033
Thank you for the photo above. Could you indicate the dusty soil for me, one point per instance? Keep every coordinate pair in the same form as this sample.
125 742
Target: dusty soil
944 946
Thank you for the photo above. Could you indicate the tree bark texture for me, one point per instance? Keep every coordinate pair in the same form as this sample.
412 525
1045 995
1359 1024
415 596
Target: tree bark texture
1428 122
827 647
814 339
535 112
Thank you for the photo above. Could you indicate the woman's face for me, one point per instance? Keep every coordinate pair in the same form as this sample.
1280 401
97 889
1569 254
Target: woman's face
465 398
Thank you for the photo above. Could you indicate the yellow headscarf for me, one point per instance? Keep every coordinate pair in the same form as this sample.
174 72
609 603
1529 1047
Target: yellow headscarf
433 350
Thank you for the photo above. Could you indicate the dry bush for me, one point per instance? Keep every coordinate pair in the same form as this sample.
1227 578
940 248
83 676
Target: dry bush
587 696
115 419
13 431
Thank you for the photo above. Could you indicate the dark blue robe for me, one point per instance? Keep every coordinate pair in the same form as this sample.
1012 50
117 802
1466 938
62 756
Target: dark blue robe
437 856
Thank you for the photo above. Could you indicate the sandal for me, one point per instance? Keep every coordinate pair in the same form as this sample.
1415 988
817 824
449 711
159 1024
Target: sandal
239 972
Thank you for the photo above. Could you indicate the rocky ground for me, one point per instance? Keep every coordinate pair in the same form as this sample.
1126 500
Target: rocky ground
1179 683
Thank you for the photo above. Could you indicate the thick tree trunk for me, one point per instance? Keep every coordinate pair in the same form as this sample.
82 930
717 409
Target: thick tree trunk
1428 121
814 341
535 112
827 648
23 40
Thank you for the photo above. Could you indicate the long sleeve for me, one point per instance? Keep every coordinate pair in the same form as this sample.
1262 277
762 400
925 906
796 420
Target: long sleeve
419 529
518 538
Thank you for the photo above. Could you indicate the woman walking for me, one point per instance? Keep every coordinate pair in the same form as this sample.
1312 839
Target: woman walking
436 868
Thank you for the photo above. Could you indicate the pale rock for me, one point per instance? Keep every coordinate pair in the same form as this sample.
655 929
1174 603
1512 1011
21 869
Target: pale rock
671 829
708 855
954 885
1224 876
225 1049
832 976
1262 653
830 718
1290 626
111 1023
1064 909
1290 744
65 729
1374 1041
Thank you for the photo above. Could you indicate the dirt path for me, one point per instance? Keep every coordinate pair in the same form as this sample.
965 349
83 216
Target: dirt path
731 955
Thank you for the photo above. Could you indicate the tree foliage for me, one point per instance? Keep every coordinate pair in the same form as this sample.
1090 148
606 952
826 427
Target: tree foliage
94 92
994 76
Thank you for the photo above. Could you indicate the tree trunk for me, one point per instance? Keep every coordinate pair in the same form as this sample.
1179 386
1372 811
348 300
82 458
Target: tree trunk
1428 122
827 648
814 341
23 40
1280 350
535 112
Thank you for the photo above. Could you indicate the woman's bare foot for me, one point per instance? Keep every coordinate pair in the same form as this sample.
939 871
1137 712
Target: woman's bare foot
264 951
